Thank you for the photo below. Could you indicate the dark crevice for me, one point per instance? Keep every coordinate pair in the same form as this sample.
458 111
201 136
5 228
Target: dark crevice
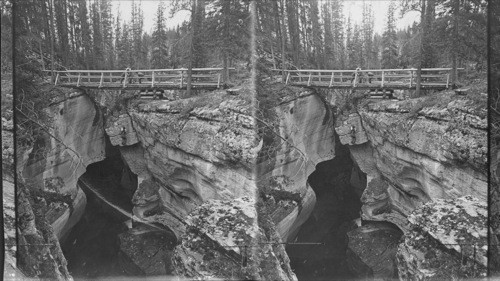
337 206
92 248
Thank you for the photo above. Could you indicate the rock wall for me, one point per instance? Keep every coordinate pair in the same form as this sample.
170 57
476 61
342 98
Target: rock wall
185 152
195 157
306 137
379 259
8 187
56 162
447 240
39 253
413 156
415 152
227 243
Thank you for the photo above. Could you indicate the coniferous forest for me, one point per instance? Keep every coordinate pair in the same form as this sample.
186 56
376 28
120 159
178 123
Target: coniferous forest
87 34
314 34
251 139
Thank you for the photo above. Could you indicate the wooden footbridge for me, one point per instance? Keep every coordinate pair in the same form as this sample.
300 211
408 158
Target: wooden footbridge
163 79
383 79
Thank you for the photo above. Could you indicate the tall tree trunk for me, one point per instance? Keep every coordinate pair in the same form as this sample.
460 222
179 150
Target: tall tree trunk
272 55
421 50
190 64
454 50
52 33
277 23
41 54
225 49
283 42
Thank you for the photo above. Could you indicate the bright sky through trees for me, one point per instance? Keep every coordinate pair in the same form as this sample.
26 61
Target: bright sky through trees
149 7
352 7
380 7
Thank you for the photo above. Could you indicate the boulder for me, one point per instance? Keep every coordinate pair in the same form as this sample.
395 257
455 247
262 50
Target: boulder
224 241
447 239
372 250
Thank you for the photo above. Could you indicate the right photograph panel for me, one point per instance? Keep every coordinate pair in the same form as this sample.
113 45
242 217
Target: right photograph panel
373 119
494 94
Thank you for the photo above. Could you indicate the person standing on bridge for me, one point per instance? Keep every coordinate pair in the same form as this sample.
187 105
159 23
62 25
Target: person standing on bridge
356 76
369 76
126 73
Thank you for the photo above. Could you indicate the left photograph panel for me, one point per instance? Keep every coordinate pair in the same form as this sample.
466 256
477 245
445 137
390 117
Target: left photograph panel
8 190
135 141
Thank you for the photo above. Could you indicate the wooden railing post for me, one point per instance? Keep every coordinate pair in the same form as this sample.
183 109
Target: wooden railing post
218 80
383 78
79 77
152 79
287 77
57 78
182 79
355 79
411 78
331 79
125 79
102 77
309 81
447 80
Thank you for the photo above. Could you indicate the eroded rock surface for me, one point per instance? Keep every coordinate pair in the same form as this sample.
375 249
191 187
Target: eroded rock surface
447 239
57 161
298 134
39 253
372 250
185 152
418 150
223 240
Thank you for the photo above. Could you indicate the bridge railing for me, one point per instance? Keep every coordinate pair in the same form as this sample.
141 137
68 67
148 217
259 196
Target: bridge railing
200 77
430 77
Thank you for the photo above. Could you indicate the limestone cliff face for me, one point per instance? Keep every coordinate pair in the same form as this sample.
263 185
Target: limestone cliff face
194 159
297 136
186 152
39 253
414 153
229 244
420 151
447 240
56 162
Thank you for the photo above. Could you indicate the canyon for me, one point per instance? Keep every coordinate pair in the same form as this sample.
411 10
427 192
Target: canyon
330 185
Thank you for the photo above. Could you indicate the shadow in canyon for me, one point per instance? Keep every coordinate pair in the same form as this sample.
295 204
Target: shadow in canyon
94 248
338 205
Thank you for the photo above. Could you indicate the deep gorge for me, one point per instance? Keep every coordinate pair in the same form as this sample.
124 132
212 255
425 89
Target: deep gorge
337 207
187 180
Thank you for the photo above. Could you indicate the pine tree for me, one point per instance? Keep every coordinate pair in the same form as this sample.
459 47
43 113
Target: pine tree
317 40
357 43
293 29
125 48
350 51
367 35
389 40
106 29
159 44
330 56
97 40
199 59
83 35
338 33
117 44
60 14
136 29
